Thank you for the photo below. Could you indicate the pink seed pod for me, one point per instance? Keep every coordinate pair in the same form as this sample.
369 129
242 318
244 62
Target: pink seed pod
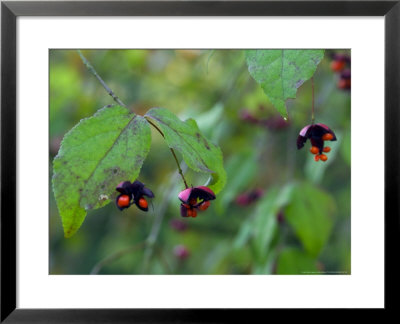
317 134
195 199
181 252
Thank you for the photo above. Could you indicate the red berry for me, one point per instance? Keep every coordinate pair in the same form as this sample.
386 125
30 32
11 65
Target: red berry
316 158
143 203
337 65
327 149
327 137
191 213
204 205
314 150
344 84
123 201
323 157
129 190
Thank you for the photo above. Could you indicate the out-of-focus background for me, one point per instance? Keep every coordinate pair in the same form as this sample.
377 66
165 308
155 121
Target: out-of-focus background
280 212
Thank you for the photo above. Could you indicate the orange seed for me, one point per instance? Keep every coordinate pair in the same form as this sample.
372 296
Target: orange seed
143 203
191 213
337 65
314 149
327 137
204 205
123 201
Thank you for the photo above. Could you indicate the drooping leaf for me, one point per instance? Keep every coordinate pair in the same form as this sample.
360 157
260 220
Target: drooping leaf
199 153
281 72
310 213
94 157
294 261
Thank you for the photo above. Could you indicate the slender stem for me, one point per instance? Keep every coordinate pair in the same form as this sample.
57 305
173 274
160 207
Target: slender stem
290 153
105 86
115 256
208 59
179 167
155 229
172 151
312 109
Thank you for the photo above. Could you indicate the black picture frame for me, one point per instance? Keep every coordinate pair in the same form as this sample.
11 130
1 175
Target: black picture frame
11 10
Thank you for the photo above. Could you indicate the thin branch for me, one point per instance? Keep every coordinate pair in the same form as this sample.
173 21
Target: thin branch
179 168
105 86
208 59
115 256
312 93
290 153
155 229
172 151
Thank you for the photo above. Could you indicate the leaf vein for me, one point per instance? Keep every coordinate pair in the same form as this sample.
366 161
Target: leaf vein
106 153
184 140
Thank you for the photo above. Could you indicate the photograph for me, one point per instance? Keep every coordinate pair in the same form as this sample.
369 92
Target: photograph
196 161
200 161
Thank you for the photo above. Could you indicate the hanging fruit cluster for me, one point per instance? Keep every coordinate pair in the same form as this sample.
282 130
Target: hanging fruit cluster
341 65
318 134
133 193
194 200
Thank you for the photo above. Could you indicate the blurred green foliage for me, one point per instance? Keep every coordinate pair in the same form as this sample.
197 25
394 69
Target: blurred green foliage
299 222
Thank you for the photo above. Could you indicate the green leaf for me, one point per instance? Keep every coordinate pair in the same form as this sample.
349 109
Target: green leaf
208 121
310 214
199 154
97 154
265 216
243 235
265 223
294 261
281 72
